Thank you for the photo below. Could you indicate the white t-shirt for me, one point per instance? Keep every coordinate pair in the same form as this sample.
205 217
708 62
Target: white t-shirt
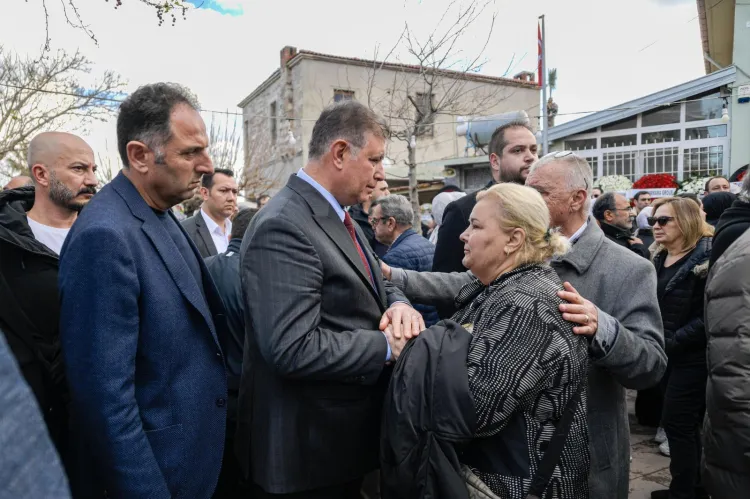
51 237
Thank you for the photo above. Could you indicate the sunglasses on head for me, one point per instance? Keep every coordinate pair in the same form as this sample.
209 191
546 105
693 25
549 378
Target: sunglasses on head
652 221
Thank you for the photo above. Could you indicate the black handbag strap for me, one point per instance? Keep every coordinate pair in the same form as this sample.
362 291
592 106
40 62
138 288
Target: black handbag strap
554 450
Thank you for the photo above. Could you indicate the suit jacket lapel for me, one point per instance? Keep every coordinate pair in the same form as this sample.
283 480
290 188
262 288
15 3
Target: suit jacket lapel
335 230
167 250
328 220
204 234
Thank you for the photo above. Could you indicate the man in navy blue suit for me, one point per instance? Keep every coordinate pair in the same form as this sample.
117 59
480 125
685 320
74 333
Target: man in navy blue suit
139 317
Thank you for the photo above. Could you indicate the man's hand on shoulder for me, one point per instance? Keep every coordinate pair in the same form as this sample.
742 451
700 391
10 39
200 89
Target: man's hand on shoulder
579 311
404 321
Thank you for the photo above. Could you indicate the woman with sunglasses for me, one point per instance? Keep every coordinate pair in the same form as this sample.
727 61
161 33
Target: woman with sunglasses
683 247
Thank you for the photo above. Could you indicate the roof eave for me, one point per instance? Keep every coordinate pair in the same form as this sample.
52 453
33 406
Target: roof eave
260 88
634 107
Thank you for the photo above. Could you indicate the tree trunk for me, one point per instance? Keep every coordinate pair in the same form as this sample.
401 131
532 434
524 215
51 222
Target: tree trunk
413 191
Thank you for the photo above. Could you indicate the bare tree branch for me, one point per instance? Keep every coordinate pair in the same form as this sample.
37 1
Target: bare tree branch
410 102
171 9
46 94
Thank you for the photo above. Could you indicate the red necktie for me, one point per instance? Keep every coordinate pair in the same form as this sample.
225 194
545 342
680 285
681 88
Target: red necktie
350 228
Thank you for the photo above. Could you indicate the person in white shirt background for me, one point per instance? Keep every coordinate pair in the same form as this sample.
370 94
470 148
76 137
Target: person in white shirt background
211 226
34 221
63 170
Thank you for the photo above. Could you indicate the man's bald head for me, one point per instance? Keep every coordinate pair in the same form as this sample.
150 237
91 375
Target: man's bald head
19 181
49 148
63 169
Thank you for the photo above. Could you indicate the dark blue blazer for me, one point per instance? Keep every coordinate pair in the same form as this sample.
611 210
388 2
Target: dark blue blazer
146 373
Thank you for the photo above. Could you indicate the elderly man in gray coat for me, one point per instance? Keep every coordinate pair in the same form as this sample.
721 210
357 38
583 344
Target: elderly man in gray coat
623 323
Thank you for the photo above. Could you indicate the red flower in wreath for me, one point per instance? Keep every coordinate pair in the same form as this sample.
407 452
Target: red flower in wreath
656 181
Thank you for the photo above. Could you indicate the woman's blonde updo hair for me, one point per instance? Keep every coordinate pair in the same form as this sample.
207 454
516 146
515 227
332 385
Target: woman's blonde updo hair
523 208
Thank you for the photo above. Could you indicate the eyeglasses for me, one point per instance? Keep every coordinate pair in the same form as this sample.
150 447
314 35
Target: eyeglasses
374 221
652 221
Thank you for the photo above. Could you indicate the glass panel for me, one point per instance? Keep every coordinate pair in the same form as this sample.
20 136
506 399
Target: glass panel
661 116
342 95
619 141
619 163
706 132
621 125
703 162
663 160
707 108
594 164
659 137
580 145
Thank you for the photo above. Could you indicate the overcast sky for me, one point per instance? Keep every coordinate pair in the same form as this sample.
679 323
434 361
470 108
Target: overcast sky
606 51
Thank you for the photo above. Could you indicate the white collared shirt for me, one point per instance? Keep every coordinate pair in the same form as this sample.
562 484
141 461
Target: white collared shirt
221 238
302 174
578 233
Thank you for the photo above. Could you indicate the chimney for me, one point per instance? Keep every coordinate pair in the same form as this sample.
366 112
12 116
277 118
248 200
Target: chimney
287 53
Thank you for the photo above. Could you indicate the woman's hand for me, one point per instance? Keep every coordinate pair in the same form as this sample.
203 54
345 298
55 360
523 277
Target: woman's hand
579 310
397 344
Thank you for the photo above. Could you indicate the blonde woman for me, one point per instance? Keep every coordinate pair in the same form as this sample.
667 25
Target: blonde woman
524 363
681 255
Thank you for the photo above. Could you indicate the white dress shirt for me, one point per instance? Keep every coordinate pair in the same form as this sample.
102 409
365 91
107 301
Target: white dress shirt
221 238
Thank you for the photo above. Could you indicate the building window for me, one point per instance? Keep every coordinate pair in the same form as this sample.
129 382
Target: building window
619 141
705 132
703 161
274 123
594 164
708 107
424 115
661 116
619 163
343 95
580 144
660 137
664 160
625 124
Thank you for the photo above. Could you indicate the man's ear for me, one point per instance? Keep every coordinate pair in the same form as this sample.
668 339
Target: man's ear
138 156
338 150
579 199
495 162
204 193
40 174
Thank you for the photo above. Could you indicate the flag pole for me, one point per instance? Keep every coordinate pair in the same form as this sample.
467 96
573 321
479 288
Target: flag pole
543 82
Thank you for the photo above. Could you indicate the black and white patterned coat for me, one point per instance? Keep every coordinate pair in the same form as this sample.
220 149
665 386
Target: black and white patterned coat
524 364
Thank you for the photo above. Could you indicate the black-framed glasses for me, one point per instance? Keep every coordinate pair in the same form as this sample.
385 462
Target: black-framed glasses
662 221
374 221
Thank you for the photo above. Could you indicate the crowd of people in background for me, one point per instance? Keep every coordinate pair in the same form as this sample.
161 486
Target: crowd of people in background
322 346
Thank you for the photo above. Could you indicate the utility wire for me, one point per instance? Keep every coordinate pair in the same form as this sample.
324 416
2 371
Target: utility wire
454 122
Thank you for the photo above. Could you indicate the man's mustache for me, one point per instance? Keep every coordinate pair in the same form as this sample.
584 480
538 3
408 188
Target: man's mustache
87 190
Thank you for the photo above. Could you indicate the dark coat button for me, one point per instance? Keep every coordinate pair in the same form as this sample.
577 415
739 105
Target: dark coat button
220 402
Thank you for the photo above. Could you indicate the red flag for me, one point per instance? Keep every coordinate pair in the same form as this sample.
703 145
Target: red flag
540 77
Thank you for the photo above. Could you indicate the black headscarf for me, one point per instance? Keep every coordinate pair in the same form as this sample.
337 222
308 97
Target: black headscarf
714 205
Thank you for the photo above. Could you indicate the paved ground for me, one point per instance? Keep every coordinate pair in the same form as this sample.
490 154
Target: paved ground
649 470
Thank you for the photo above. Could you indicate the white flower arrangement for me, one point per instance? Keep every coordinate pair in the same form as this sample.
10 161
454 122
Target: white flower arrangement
694 185
611 183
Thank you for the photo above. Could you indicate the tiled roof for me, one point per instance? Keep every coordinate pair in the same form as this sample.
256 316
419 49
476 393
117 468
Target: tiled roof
393 66
410 67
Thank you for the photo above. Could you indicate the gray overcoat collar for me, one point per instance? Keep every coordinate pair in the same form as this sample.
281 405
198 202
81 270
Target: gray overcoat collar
582 253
